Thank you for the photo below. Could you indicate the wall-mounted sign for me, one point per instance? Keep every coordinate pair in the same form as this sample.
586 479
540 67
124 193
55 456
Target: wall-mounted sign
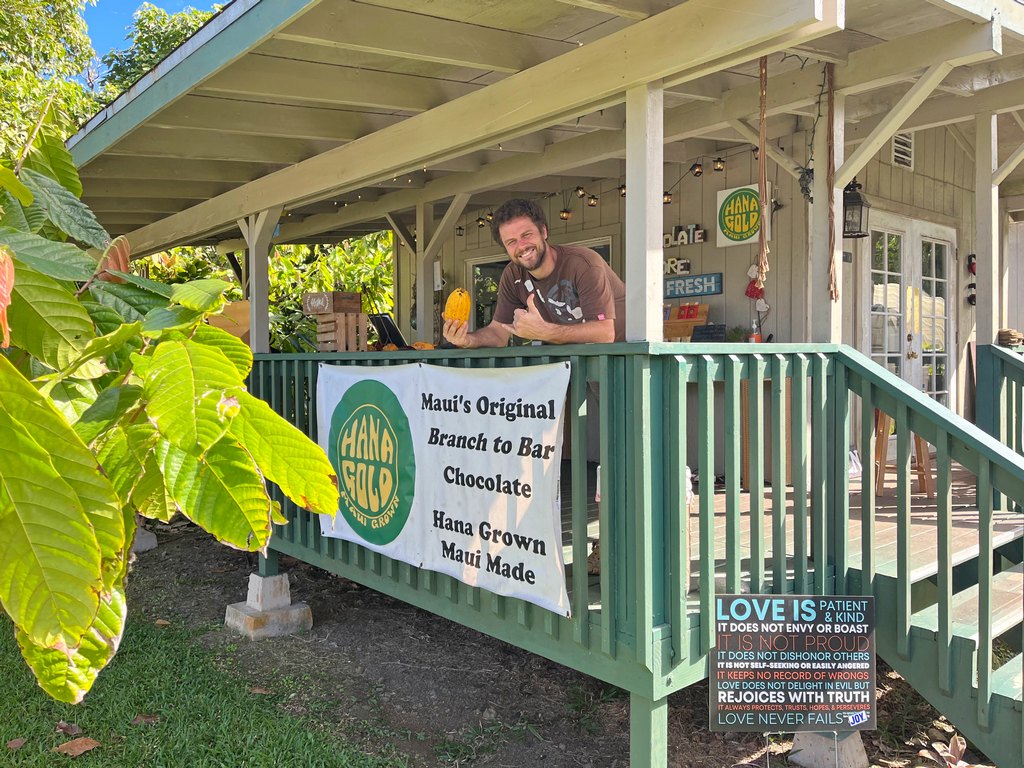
693 285
793 663
739 216
677 266
685 234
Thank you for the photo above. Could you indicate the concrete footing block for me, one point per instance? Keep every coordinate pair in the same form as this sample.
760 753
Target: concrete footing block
818 750
144 541
268 611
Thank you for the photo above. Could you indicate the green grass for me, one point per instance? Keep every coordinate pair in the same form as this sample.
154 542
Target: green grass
207 718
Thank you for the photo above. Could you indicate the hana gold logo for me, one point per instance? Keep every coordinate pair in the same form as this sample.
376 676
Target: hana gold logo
739 216
371 450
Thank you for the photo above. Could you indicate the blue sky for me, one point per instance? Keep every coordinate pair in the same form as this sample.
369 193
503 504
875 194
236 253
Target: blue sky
109 20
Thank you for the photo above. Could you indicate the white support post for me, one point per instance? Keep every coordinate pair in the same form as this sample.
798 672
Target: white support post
424 272
258 229
825 317
644 268
989 314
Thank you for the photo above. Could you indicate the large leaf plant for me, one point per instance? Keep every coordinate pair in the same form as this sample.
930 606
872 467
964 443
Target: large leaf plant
116 399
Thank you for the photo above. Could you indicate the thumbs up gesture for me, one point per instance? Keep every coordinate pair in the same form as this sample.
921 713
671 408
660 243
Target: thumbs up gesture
528 323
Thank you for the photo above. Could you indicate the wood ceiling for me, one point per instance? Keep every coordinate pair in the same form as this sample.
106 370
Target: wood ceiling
268 85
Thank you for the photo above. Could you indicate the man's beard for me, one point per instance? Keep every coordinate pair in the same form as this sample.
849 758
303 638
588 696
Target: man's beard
540 253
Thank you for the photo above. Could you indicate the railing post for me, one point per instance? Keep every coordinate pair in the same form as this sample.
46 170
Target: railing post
988 399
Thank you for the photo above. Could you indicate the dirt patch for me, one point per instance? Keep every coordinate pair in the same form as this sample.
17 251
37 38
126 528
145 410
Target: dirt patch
402 683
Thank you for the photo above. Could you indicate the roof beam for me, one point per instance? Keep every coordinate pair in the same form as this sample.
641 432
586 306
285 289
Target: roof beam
175 169
589 77
387 32
270 77
920 91
951 109
155 187
1008 12
784 161
204 145
637 10
888 62
115 205
227 115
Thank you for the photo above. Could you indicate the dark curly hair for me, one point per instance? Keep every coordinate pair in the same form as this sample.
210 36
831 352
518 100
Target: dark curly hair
513 209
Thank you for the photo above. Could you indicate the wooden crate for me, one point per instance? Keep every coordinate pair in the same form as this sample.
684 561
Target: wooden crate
331 303
341 332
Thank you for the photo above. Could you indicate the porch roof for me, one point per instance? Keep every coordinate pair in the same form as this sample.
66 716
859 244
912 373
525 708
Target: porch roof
348 113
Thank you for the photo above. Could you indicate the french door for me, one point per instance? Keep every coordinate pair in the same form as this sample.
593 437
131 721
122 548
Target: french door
910 324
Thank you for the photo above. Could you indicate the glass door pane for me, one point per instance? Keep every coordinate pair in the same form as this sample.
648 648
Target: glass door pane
934 319
887 299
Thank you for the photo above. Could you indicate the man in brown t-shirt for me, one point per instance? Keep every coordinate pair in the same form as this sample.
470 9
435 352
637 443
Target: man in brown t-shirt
558 294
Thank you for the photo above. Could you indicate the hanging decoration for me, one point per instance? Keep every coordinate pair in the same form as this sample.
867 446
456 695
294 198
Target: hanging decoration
830 176
762 179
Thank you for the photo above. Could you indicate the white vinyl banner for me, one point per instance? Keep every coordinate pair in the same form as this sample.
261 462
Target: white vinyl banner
453 470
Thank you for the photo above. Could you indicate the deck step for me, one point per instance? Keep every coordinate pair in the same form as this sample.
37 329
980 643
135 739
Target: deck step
1007 607
1008 680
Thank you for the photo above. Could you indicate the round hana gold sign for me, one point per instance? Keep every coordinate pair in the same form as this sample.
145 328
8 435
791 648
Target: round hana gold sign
739 218
371 450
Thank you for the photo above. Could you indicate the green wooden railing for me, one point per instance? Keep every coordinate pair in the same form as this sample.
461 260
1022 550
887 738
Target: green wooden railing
646 622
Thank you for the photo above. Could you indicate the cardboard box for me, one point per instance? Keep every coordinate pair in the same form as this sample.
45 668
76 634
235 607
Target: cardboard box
331 303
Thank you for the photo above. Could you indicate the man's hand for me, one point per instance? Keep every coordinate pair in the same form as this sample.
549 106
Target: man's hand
528 323
456 332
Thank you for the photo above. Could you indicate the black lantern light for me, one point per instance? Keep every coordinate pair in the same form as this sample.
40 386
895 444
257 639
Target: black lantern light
592 201
460 231
718 165
622 190
565 214
481 222
855 211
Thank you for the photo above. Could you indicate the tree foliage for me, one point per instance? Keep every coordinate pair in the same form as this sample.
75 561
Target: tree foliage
116 399
154 34
364 264
44 45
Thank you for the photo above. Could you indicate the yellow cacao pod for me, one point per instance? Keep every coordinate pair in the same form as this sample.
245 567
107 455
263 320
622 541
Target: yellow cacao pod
457 306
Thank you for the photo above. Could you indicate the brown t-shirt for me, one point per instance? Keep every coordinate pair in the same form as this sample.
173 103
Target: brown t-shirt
582 287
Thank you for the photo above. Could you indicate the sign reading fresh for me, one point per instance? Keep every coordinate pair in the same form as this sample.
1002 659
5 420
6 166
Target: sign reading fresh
451 470
693 285
739 216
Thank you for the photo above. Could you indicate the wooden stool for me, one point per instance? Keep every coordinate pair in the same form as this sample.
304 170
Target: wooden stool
922 457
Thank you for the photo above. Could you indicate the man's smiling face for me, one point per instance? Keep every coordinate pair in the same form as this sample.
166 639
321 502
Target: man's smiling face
525 244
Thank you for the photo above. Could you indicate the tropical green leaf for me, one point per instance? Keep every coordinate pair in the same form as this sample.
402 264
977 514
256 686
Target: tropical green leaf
178 384
65 210
173 318
50 158
71 397
13 215
77 466
236 350
111 404
61 261
148 494
11 183
67 674
222 492
131 301
286 456
144 282
106 318
46 320
201 295
50 571
100 347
